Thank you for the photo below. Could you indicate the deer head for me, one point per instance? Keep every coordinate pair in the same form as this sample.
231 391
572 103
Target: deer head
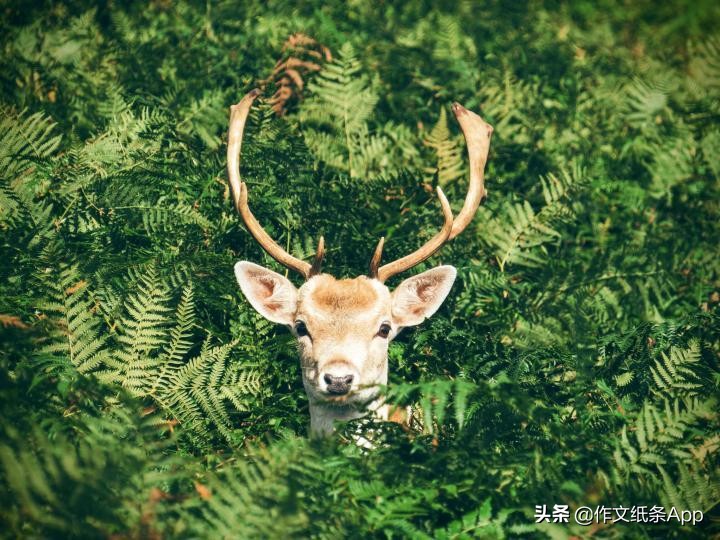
343 326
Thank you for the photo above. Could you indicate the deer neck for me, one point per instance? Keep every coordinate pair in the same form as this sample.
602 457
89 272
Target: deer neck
323 416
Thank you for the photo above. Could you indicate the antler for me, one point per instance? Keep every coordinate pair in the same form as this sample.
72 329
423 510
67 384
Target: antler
238 117
477 134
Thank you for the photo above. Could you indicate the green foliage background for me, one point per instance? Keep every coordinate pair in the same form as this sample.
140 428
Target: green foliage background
575 361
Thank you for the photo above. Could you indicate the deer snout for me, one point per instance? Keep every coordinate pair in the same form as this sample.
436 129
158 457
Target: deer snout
337 377
338 385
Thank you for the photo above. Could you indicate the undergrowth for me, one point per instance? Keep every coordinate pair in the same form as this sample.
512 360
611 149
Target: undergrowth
575 361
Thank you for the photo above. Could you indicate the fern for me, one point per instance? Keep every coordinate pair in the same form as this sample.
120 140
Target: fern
432 400
121 148
141 395
705 63
508 103
261 487
24 141
197 393
152 362
674 375
173 357
162 217
481 523
141 334
203 118
448 152
670 164
519 236
75 338
336 118
710 145
646 102
81 487
624 378
660 437
694 490
555 189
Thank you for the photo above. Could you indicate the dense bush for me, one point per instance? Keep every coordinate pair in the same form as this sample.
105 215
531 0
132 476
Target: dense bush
575 362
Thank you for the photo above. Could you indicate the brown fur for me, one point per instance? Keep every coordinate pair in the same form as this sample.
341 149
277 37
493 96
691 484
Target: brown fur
344 294
399 415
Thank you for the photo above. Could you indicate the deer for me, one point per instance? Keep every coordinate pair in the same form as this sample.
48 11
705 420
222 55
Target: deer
343 327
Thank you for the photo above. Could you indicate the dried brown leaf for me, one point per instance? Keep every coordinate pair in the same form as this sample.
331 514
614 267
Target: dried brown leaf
12 321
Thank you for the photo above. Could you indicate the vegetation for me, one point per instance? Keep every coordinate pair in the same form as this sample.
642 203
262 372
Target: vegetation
576 361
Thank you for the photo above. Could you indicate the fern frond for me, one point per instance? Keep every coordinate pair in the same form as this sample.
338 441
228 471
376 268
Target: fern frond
705 63
179 345
196 393
433 399
24 139
142 332
336 116
645 101
624 378
670 164
556 188
448 153
263 487
673 373
661 438
79 486
76 336
519 235
163 217
509 101
694 490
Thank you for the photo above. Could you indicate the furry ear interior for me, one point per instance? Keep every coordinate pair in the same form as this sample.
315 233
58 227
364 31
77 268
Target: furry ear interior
418 297
272 295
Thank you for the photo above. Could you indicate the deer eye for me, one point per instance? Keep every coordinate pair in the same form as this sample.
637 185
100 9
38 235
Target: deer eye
384 330
301 329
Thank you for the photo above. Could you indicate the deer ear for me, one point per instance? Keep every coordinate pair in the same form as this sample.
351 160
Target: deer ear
272 295
418 297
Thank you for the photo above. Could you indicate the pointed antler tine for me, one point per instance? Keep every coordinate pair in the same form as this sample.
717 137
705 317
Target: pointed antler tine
319 255
241 198
444 204
377 256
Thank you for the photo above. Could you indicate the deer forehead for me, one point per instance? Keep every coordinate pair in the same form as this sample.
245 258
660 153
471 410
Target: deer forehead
356 301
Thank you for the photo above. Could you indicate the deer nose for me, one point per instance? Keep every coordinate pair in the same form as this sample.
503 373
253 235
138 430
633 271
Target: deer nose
338 385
